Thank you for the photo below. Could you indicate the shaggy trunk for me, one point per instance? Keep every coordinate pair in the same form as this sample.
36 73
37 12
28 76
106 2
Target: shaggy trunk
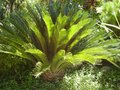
52 76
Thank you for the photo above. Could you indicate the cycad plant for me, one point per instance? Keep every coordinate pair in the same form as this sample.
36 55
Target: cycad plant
55 39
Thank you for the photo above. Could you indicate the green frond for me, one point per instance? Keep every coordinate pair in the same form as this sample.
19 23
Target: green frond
39 55
76 28
39 69
62 21
11 50
98 52
49 23
58 57
61 61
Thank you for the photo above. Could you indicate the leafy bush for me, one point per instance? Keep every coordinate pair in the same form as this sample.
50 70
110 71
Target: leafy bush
110 15
55 38
8 61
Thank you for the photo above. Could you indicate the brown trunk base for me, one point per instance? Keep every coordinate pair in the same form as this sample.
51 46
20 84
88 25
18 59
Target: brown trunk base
52 76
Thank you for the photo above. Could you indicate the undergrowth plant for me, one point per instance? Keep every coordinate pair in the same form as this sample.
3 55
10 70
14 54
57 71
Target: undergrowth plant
55 38
9 6
110 15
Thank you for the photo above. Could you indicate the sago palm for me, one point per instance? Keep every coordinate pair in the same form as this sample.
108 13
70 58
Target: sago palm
56 40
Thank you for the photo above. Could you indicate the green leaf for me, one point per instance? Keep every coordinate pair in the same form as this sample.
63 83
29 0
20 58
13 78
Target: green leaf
62 21
39 55
75 28
49 23
61 61
95 53
59 56
39 69
11 50
65 62
54 40
75 17
20 25
40 37
62 38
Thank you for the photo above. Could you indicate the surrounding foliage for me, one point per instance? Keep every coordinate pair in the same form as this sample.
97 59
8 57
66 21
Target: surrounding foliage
87 78
9 6
110 16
